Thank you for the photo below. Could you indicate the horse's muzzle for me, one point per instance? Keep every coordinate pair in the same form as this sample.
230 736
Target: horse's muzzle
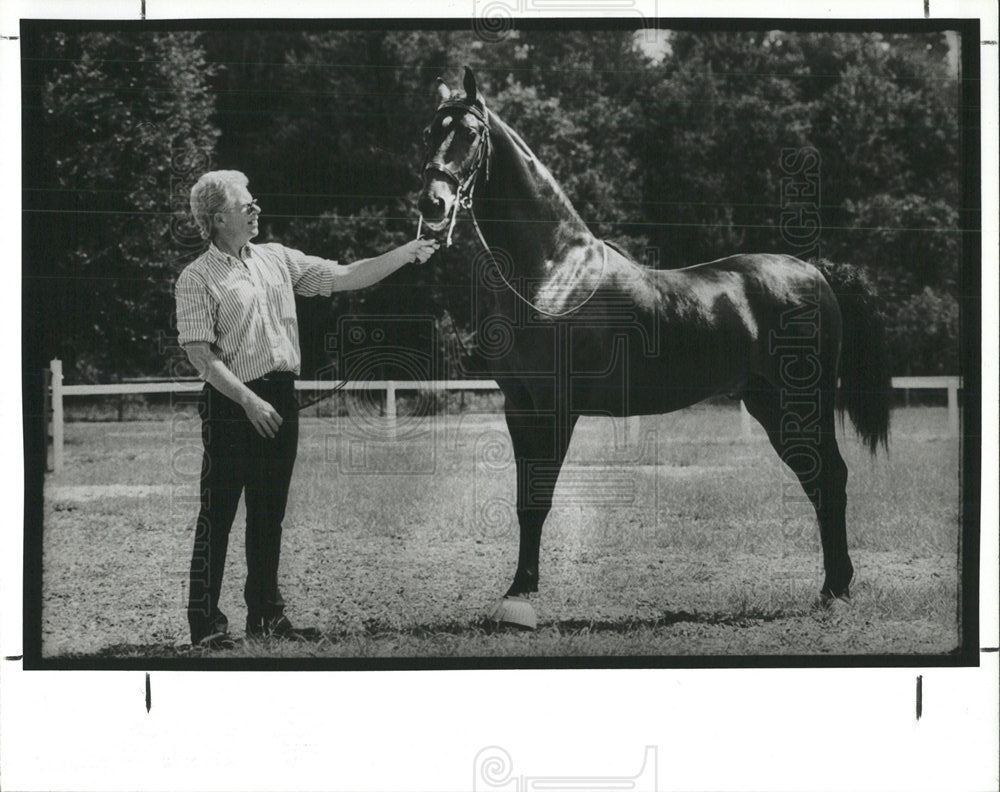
432 209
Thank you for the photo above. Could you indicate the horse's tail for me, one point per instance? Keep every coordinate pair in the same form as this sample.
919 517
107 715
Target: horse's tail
865 390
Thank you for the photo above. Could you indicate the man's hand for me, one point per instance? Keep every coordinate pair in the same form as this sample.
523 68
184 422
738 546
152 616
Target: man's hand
263 416
419 250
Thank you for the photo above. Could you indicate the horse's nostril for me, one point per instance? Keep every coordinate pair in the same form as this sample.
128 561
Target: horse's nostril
430 205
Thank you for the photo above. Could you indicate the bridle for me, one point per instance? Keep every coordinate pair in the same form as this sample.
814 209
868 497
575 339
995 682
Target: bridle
466 187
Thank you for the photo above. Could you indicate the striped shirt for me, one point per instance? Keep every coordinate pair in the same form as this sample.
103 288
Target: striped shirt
245 309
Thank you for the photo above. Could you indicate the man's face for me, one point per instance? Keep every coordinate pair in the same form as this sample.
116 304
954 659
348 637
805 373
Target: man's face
239 221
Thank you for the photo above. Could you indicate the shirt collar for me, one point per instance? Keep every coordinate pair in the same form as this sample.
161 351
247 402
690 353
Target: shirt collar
215 252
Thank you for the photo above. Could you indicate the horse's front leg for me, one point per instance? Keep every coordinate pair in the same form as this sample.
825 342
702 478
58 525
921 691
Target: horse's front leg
540 444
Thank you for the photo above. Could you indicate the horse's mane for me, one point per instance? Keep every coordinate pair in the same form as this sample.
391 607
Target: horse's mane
553 185
539 168
518 140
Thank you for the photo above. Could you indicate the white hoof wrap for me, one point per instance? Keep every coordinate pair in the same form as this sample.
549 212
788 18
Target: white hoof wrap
516 611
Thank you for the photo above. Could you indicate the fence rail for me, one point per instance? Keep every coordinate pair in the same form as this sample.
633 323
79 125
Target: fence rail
56 392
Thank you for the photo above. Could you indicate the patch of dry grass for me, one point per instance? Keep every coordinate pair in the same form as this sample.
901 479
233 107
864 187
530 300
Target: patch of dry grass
686 543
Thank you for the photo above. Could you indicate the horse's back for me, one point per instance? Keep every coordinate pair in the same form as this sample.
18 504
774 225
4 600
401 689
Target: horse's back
767 283
700 331
764 265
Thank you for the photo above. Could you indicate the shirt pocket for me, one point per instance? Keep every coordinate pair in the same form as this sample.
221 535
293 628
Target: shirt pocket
282 300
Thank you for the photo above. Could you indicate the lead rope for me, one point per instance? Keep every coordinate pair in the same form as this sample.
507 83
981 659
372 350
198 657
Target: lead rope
525 300
324 395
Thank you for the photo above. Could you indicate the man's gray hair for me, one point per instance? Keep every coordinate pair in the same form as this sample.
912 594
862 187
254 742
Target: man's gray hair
212 193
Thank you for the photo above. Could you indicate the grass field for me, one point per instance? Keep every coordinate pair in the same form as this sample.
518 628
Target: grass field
673 538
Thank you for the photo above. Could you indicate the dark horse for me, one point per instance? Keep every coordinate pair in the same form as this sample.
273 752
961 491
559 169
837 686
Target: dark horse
585 330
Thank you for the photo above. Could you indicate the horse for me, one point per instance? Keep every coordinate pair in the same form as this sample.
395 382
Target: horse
584 329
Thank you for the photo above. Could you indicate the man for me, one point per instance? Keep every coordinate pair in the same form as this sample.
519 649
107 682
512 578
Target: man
236 321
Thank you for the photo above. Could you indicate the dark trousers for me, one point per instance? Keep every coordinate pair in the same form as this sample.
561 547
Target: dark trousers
238 459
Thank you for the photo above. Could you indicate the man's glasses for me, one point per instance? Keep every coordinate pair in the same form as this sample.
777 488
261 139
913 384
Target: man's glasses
251 208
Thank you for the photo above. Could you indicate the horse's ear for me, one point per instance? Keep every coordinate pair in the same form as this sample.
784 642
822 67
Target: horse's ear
469 83
443 91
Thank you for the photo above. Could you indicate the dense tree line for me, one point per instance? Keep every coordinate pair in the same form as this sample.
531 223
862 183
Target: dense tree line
674 151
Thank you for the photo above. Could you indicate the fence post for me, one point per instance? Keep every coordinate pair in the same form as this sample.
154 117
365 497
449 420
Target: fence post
390 407
633 430
57 414
953 406
46 415
746 422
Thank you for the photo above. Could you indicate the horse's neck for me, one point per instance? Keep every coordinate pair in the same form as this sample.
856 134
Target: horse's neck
524 208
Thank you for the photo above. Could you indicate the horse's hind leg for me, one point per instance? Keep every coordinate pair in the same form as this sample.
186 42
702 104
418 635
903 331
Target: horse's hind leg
800 425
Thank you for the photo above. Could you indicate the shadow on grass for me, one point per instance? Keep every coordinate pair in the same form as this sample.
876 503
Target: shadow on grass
378 630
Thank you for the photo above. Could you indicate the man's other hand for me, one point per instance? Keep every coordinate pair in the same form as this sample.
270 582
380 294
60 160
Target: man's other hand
263 416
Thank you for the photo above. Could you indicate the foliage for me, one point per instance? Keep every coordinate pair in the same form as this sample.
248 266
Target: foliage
923 334
124 119
724 108
883 119
903 246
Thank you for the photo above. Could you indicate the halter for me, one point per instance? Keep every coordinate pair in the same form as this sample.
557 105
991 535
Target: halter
463 199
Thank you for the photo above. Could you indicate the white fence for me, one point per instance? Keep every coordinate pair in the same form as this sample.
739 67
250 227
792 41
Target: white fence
59 392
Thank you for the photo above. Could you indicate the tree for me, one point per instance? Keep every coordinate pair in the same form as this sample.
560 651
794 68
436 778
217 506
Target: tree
720 115
923 334
122 124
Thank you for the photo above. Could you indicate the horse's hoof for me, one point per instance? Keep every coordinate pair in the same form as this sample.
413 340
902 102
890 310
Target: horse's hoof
833 603
515 611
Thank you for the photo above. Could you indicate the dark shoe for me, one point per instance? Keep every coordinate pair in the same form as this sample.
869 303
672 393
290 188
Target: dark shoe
216 640
210 632
219 622
279 627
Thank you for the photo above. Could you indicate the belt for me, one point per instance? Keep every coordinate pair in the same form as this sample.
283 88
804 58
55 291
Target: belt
273 377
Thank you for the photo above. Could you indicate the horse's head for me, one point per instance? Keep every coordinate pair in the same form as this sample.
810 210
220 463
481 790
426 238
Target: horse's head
457 145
